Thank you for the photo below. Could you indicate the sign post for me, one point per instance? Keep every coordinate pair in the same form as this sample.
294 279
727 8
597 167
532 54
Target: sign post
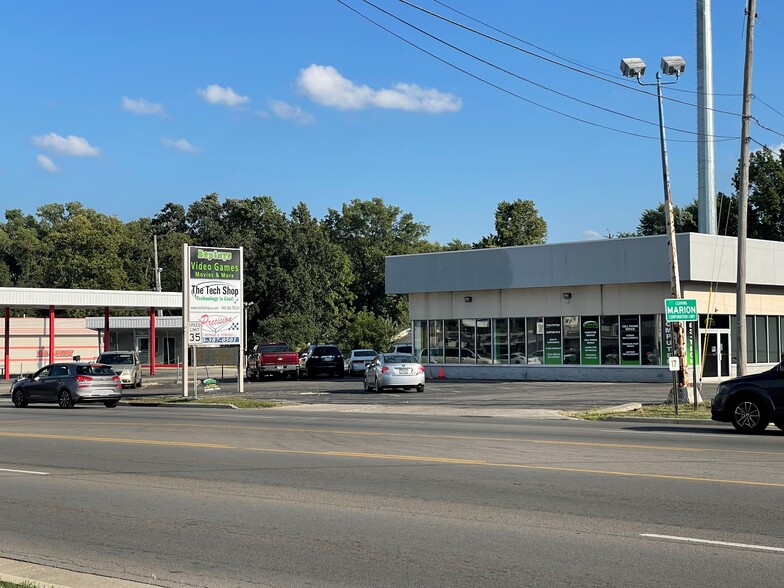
677 310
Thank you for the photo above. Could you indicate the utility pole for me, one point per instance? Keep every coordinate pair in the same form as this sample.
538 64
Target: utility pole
743 196
678 338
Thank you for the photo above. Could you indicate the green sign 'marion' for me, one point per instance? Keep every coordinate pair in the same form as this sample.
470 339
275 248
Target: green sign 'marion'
680 309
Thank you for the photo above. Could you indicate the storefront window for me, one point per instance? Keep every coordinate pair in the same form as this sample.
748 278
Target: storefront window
484 341
451 341
534 340
517 340
501 340
553 345
630 340
762 339
774 354
589 345
420 337
468 341
649 340
435 351
750 356
609 340
571 339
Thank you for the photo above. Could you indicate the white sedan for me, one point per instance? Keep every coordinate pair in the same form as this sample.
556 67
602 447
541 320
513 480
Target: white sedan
394 370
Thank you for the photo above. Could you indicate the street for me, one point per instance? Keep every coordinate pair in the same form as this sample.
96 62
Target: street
282 497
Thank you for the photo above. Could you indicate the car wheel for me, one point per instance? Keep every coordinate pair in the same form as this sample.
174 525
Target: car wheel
64 399
365 385
749 416
379 387
19 399
111 403
294 375
340 373
420 388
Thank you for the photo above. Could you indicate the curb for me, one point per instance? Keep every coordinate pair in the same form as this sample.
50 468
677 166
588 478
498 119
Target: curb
179 404
666 421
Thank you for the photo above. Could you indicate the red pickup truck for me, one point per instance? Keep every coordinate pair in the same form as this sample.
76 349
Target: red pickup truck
276 359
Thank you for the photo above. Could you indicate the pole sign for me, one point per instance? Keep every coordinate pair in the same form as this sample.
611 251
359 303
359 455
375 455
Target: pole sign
214 295
680 309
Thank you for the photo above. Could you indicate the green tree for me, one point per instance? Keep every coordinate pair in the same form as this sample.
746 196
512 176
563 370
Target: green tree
516 223
368 231
367 331
766 194
653 221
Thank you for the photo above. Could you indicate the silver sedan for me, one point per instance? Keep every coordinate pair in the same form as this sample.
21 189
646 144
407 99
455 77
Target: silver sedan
394 370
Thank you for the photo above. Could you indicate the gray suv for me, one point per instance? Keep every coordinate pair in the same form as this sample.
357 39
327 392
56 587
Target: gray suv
751 402
126 364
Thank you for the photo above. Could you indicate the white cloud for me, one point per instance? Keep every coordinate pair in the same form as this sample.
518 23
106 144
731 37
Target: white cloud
142 106
215 94
180 145
325 85
47 164
70 145
593 235
290 112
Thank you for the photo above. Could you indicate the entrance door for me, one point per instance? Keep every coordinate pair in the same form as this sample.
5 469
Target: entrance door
143 347
169 350
717 354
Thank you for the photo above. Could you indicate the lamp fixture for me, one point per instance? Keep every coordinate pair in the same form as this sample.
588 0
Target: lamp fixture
467 298
567 296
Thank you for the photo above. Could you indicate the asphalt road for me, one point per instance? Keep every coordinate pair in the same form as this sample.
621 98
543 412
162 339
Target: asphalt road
206 497
443 393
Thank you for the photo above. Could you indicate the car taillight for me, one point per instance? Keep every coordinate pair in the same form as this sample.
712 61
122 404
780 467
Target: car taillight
83 379
385 370
421 368
116 379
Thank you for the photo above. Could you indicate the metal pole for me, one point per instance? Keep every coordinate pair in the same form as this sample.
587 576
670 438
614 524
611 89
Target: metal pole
743 196
675 282
706 189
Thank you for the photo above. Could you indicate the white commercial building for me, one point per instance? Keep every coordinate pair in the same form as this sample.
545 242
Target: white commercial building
588 311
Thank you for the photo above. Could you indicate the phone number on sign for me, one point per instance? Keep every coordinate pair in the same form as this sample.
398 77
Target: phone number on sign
221 339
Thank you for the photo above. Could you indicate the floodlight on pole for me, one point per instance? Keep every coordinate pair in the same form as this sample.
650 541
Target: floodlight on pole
634 67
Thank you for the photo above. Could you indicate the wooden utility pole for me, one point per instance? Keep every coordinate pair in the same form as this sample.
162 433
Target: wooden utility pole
743 196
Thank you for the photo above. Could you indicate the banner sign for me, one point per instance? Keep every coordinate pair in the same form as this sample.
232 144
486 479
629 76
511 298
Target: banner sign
214 295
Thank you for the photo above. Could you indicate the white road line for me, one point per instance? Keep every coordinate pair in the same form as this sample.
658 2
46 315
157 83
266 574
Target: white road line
709 542
24 472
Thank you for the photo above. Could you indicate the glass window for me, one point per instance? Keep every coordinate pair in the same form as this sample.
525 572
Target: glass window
649 339
501 340
468 341
420 337
517 340
553 342
534 350
630 339
761 337
451 341
589 347
734 337
773 339
609 340
484 341
571 339
435 350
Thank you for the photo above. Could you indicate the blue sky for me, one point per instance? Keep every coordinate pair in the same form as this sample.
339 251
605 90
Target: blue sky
128 106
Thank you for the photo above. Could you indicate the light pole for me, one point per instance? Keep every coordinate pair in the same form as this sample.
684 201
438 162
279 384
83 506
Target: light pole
245 325
672 65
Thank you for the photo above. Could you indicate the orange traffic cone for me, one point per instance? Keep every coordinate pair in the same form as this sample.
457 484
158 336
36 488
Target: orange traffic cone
441 375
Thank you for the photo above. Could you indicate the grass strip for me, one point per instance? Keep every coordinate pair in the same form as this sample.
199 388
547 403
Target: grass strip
237 401
661 411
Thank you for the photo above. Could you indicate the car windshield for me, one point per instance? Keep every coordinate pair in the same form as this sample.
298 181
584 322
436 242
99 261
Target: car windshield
326 351
274 348
364 353
115 358
399 358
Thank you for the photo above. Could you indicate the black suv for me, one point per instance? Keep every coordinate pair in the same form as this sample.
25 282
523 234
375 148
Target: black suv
322 359
751 402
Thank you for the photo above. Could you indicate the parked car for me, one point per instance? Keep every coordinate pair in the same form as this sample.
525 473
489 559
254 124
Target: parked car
273 359
358 360
403 348
394 370
751 402
452 355
322 359
126 364
67 384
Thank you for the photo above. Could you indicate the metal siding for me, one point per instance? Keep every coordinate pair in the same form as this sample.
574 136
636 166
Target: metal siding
64 298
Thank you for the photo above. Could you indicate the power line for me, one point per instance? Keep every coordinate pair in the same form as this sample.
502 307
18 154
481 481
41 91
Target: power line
755 97
509 92
564 58
553 61
529 81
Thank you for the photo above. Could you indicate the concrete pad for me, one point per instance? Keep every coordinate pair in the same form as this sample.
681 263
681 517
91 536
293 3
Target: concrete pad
49 577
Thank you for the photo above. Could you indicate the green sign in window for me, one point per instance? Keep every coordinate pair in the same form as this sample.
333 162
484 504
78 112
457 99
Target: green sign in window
680 309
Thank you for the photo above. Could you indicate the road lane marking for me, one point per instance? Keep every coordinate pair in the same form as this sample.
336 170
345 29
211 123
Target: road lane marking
24 472
710 542
118 440
415 458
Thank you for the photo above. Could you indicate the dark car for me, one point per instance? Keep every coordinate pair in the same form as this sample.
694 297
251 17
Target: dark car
751 402
67 384
322 359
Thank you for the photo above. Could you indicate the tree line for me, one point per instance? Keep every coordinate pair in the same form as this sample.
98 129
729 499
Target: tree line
310 280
